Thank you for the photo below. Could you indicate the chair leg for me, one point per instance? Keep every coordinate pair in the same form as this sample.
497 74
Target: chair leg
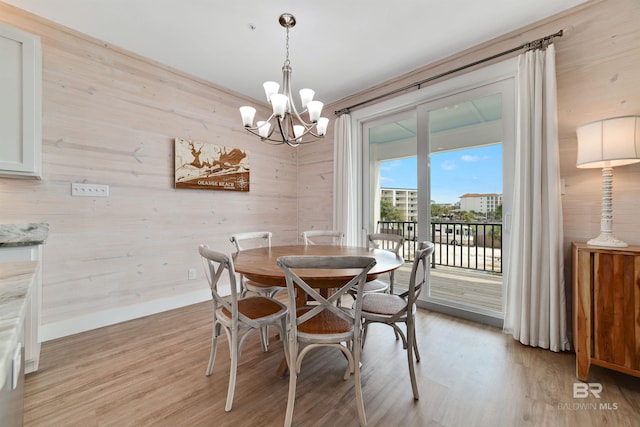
283 339
232 370
410 346
415 344
293 376
358 384
391 280
214 348
365 328
264 338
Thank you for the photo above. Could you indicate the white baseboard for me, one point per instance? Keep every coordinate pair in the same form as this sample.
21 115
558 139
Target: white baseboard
88 322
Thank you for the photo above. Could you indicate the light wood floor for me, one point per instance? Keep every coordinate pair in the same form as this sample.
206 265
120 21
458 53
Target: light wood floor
150 372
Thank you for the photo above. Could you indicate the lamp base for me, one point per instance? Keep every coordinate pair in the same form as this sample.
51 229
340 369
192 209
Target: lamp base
607 241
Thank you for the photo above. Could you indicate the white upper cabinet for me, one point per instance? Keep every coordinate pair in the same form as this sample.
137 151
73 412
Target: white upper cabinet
20 104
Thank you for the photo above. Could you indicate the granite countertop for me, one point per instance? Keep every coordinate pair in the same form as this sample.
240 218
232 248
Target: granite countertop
34 233
15 281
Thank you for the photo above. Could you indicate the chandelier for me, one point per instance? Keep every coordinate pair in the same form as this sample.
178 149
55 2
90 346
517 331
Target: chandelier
291 127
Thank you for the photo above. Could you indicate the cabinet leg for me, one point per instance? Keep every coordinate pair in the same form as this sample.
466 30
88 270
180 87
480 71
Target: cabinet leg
582 367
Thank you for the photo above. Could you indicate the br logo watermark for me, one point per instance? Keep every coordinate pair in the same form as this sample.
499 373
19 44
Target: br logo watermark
584 391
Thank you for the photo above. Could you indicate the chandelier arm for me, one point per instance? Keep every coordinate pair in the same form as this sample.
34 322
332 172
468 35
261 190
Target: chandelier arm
285 135
258 127
301 120
251 131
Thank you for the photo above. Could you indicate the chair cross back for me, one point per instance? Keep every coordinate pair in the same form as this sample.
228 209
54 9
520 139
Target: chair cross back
418 276
287 263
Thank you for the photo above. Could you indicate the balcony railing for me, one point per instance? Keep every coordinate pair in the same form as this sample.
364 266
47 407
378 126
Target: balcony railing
469 245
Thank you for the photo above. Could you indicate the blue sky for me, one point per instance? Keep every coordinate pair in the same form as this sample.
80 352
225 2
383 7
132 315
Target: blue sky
453 173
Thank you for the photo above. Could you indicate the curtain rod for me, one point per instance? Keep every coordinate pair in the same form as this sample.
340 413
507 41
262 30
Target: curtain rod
536 44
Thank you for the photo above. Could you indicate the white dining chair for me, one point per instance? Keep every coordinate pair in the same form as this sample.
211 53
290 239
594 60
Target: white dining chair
323 237
390 309
250 240
320 323
238 316
387 242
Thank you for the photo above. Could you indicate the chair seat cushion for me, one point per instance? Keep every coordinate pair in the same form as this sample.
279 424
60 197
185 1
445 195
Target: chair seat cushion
375 286
324 322
257 307
385 304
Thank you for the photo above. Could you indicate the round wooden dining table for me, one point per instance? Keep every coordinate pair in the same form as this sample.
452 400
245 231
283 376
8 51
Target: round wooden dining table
260 264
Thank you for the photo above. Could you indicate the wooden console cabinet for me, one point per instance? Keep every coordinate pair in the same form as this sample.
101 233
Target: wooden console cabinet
606 308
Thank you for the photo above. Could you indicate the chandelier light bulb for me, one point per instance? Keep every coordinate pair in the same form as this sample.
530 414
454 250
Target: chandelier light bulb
247 113
263 128
270 88
323 122
279 104
315 109
306 96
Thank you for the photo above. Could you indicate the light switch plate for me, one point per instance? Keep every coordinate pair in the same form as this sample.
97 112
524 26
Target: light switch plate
89 190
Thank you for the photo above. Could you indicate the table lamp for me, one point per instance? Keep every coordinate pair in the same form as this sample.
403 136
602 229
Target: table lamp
605 144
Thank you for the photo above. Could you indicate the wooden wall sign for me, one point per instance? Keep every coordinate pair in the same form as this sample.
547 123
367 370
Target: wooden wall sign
204 166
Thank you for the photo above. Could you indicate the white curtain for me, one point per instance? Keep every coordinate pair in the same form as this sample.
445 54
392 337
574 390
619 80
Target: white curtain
345 203
535 311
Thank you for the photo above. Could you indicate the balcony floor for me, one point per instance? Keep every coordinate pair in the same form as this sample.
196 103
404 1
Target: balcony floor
472 287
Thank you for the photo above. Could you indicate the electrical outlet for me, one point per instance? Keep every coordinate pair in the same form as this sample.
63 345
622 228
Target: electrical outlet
89 190
192 274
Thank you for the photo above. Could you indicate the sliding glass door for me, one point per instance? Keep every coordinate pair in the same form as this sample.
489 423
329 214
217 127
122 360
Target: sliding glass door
464 164
436 170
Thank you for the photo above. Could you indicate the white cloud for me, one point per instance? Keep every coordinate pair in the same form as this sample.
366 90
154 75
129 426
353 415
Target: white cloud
448 165
389 166
469 158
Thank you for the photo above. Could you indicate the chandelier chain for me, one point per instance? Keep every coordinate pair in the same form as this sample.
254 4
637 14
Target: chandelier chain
286 61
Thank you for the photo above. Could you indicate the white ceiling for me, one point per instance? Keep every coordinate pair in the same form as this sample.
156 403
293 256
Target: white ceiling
337 48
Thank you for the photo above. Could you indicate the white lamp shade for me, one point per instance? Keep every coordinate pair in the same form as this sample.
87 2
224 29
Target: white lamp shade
322 124
298 130
609 143
279 104
270 88
247 114
306 96
315 109
263 128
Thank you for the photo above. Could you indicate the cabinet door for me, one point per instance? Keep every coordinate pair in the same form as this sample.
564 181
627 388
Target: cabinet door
616 309
20 103
33 314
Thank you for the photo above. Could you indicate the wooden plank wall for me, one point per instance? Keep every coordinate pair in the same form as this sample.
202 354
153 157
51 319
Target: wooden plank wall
110 117
598 76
